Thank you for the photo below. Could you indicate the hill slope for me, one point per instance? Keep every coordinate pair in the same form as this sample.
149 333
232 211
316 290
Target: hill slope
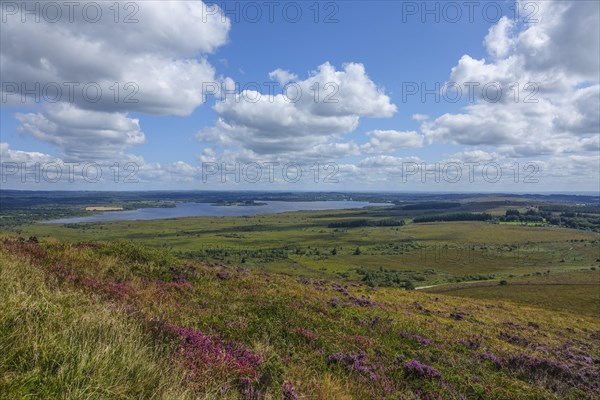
113 319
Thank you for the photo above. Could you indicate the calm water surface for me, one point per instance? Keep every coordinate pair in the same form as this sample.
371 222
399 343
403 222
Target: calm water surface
209 210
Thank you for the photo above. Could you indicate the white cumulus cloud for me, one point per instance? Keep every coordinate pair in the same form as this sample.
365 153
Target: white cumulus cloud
548 72
304 119
385 141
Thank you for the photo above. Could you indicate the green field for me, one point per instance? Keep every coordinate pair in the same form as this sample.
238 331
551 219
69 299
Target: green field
301 243
577 292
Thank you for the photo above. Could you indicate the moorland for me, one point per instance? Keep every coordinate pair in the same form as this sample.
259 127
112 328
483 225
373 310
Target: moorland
431 296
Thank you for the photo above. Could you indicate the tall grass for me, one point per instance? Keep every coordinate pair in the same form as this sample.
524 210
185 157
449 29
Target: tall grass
61 343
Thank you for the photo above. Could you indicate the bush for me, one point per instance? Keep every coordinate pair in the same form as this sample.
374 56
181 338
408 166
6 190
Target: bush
387 278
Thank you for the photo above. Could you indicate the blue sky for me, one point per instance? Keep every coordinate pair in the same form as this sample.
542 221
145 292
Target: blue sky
371 52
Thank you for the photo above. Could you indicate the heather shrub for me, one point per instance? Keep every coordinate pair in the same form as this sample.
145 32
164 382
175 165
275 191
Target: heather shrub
417 369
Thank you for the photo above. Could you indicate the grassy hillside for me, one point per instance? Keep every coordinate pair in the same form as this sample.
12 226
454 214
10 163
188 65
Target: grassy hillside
58 341
117 320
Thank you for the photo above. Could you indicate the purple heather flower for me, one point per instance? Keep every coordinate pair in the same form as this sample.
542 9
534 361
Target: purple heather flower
492 358
341 289
417 338
289 391
417 369
514 339
224 389
223 275
199 351
356 362
362 301
247 389
588 359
